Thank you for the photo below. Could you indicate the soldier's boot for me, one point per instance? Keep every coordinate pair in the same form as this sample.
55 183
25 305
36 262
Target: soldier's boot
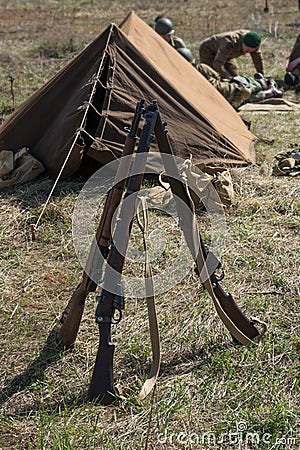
291 79
276 92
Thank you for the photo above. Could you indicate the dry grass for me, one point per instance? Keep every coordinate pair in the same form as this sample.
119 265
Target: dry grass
206 383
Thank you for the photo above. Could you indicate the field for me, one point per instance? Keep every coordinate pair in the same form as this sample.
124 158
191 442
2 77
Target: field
211 394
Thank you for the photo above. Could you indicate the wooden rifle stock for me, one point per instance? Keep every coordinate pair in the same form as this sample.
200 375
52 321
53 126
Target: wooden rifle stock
227 302
111 300
102 385
72 315
105 377
234 312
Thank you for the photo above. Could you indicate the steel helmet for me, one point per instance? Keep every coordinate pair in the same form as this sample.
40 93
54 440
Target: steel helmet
163 26
186 53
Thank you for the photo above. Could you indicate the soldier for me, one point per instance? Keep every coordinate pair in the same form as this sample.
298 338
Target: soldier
239 89
164 28
292 75
187 54
219 51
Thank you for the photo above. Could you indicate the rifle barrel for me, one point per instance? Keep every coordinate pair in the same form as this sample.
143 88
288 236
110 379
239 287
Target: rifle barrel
72 315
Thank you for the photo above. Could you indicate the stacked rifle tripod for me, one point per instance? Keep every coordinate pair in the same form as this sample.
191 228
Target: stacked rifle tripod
113 247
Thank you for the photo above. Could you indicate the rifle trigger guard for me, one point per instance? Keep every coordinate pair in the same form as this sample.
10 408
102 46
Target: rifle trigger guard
219 277
114 319
117 316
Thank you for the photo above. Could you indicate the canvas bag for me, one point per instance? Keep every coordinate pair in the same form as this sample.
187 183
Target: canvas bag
198 179
202 185
223 184
18 168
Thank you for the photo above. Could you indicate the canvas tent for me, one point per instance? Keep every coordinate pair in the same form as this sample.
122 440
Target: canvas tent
87 107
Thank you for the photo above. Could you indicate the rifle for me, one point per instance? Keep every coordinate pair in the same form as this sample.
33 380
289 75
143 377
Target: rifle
240 327
111 299
71 316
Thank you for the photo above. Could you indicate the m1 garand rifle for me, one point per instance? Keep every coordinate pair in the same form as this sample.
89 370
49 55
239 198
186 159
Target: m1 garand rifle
111 299
72 315
241 328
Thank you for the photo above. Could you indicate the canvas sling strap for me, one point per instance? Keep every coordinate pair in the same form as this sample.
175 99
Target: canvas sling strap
152 316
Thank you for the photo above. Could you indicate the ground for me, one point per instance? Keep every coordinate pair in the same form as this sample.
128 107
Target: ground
211 393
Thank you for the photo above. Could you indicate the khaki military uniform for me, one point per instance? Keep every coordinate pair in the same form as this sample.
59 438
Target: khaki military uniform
221 50
177 42
237 90
295 53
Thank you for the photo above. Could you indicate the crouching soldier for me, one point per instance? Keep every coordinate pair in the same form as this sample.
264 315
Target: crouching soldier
221 50
292 76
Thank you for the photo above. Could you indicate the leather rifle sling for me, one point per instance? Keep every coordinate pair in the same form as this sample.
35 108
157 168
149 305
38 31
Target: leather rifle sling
152 316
